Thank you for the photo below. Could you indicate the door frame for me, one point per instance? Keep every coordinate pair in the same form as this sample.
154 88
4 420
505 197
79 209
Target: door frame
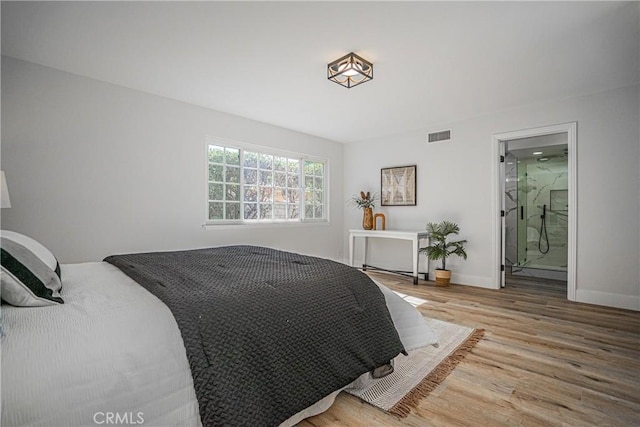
498 200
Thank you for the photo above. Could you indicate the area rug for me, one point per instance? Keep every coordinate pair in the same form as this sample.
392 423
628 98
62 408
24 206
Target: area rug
416 375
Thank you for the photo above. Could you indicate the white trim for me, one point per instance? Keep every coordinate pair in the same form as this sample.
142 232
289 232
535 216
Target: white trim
469 280
628 302
571 130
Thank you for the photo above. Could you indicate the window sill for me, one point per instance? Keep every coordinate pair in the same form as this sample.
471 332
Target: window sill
265 224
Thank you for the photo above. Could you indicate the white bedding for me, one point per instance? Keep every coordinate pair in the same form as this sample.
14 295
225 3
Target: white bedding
114 350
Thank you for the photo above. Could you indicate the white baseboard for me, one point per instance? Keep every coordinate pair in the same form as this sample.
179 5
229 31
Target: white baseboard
477 281
629 302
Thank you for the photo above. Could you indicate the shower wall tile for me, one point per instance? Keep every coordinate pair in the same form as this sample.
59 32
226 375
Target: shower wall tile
541 179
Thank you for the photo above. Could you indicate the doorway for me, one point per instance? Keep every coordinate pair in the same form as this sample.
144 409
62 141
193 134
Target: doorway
537 194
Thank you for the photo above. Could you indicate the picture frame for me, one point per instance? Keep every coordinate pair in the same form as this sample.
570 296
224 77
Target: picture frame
398 186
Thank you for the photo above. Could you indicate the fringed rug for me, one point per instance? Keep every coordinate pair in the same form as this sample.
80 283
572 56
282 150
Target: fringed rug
418 374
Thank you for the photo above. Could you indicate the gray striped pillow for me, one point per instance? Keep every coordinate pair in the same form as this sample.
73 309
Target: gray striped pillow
30 272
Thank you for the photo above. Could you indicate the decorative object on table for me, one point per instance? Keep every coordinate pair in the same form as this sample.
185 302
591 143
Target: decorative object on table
398 186
350 70
367 219
383 222
367 202
440 249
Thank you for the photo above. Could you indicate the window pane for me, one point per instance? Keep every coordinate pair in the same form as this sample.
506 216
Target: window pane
280 211
318 212
279 195
265 194
317 198
250 194
232 174
280 164
292 196
266 161
232 156
293 211
266 178
280 179
265 210
215 172
318 183
216 210
318 169
216 154
216 191
250 159
294 166
308 168
308 211
292 181
233 210
250 211
308 182
232 192
250 176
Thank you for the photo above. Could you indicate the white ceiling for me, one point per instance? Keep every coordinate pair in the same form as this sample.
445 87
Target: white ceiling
434 62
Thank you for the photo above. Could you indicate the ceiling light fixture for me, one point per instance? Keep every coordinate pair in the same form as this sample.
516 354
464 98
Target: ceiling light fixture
537 153
350 70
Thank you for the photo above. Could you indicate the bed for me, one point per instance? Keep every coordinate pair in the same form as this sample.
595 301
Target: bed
115 353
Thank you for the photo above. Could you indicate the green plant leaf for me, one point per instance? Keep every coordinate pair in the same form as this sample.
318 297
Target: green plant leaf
439 248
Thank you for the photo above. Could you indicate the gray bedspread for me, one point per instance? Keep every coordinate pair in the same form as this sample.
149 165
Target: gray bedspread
267 333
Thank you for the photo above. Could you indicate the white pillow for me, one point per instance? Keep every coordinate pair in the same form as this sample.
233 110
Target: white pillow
30 272
413 329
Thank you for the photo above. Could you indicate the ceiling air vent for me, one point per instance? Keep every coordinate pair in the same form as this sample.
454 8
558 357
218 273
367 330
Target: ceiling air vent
444 135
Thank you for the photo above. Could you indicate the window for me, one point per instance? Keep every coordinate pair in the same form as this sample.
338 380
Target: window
247 184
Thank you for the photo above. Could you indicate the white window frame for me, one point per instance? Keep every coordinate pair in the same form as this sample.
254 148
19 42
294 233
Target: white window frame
242 146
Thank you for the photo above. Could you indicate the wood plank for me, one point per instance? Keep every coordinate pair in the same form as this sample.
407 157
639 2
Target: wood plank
544 361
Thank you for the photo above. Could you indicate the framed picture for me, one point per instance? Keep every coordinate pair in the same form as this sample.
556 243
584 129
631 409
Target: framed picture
398 186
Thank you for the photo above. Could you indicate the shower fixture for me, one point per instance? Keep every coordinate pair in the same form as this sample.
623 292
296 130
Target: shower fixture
543 229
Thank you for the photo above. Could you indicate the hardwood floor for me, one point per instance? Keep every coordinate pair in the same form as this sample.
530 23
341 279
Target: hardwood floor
544 361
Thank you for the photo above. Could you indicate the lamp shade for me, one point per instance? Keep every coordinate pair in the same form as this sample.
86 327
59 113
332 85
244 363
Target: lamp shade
5 201
350 70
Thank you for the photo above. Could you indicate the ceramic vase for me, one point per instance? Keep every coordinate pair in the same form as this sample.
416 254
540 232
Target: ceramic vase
367 219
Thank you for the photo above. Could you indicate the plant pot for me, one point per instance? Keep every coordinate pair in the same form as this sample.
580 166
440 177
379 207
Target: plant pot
367 219
443 277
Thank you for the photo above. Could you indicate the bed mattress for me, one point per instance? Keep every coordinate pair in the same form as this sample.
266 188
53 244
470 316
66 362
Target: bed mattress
113 351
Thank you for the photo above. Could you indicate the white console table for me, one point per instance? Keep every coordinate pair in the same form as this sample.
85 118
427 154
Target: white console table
414 236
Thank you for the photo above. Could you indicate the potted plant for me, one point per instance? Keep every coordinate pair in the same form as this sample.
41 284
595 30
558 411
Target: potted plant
365 201
440 249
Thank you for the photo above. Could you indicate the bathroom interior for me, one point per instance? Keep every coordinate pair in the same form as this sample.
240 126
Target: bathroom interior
536 207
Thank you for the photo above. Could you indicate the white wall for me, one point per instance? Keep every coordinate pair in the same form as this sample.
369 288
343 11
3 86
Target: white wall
95 169
456 182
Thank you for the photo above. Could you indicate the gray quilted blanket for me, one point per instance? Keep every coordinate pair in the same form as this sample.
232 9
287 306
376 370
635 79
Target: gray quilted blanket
267 333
